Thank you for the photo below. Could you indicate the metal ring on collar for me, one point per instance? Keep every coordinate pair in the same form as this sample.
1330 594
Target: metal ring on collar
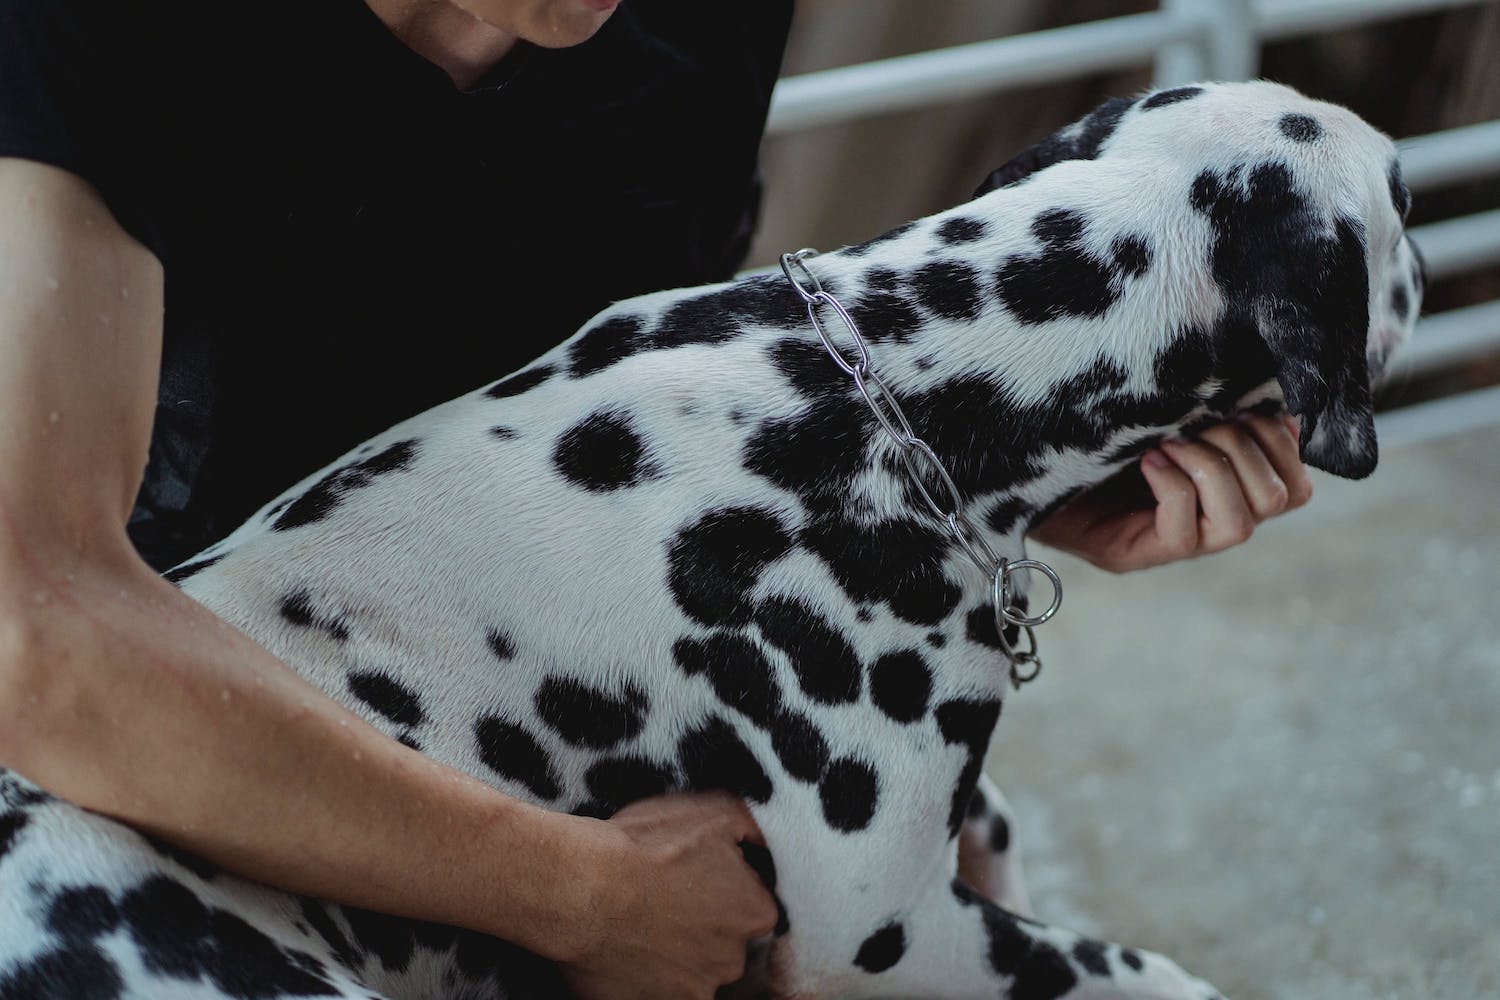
1001 587
1017 678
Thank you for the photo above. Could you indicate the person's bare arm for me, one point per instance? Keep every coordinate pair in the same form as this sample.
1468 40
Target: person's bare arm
123 695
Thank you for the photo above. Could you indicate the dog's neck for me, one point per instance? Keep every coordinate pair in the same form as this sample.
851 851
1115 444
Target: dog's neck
1023 417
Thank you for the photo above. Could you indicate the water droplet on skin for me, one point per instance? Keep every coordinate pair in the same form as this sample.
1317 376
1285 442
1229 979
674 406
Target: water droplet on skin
124 293
224 695
53 417
53 284
40 597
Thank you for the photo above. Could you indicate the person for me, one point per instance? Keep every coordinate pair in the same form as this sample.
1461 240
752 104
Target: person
236 241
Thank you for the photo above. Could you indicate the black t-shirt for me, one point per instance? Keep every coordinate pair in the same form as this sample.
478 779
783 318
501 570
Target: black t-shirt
349 239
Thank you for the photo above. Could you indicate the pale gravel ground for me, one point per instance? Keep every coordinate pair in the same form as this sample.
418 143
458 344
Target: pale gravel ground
1281 765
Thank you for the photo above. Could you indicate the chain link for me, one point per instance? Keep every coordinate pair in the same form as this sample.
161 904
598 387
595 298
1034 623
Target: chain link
928 474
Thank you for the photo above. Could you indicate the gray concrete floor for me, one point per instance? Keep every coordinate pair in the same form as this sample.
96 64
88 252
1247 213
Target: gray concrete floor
1281 765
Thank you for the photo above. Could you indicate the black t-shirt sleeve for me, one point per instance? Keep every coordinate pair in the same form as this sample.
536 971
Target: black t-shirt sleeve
61 95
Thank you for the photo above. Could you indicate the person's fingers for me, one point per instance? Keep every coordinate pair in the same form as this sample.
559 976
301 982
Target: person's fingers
737 821
1278 438
1260 483
1227 519
1175 521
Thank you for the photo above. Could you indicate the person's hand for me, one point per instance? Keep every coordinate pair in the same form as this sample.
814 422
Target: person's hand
680 906
1188 498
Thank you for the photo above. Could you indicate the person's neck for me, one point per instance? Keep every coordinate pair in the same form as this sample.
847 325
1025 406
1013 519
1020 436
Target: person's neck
459 43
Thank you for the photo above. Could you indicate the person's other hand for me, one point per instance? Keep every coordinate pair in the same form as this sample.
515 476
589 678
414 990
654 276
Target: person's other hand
1189 497
680 905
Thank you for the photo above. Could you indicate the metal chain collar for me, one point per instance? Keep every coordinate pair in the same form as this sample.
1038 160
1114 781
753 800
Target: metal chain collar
928 475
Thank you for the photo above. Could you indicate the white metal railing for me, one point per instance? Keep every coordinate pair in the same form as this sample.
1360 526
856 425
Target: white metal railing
1192 40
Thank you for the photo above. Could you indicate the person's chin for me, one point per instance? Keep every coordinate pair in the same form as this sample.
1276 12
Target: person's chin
581 21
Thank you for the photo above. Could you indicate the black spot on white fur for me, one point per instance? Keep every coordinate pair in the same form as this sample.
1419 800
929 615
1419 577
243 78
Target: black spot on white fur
900 685
898 562
883 316
714 563
859 249
999 834
969 724
615 782
389 697
328 493
883 949
513 753
520 382
588 716
190 569
604 345
11 825
826 666
500 644
1036 970
740 673
949 289
1400 194
850 792
1300 128
181 937
714 758
719 315
69 969
603 453
961 230
297 609
1066 278
1164 98
1090 955
1081 141
1132 255
1400 302
799 746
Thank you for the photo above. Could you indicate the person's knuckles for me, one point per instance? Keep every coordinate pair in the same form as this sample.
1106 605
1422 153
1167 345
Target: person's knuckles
1199 459
1229 531
1232 439
1299 488
1269 497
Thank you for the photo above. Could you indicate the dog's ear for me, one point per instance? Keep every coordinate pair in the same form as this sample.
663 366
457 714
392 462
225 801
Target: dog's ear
1305 290
1079 141
1318 341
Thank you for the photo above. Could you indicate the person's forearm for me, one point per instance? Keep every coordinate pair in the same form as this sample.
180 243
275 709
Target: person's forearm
123 695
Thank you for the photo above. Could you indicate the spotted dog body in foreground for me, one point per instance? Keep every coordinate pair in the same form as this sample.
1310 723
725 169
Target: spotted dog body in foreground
678 553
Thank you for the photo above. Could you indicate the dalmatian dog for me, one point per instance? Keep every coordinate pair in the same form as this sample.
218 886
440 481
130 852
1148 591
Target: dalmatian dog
677 552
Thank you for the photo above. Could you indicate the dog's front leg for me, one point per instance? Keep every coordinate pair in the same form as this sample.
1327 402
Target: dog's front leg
988 857
951 942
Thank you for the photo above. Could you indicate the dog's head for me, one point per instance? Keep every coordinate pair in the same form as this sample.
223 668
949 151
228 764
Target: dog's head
1305 211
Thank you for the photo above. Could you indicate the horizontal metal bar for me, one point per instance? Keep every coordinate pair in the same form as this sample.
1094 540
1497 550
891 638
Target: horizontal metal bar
1460 154
1449 338
1277 19
1414 425
1460 245
967 70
